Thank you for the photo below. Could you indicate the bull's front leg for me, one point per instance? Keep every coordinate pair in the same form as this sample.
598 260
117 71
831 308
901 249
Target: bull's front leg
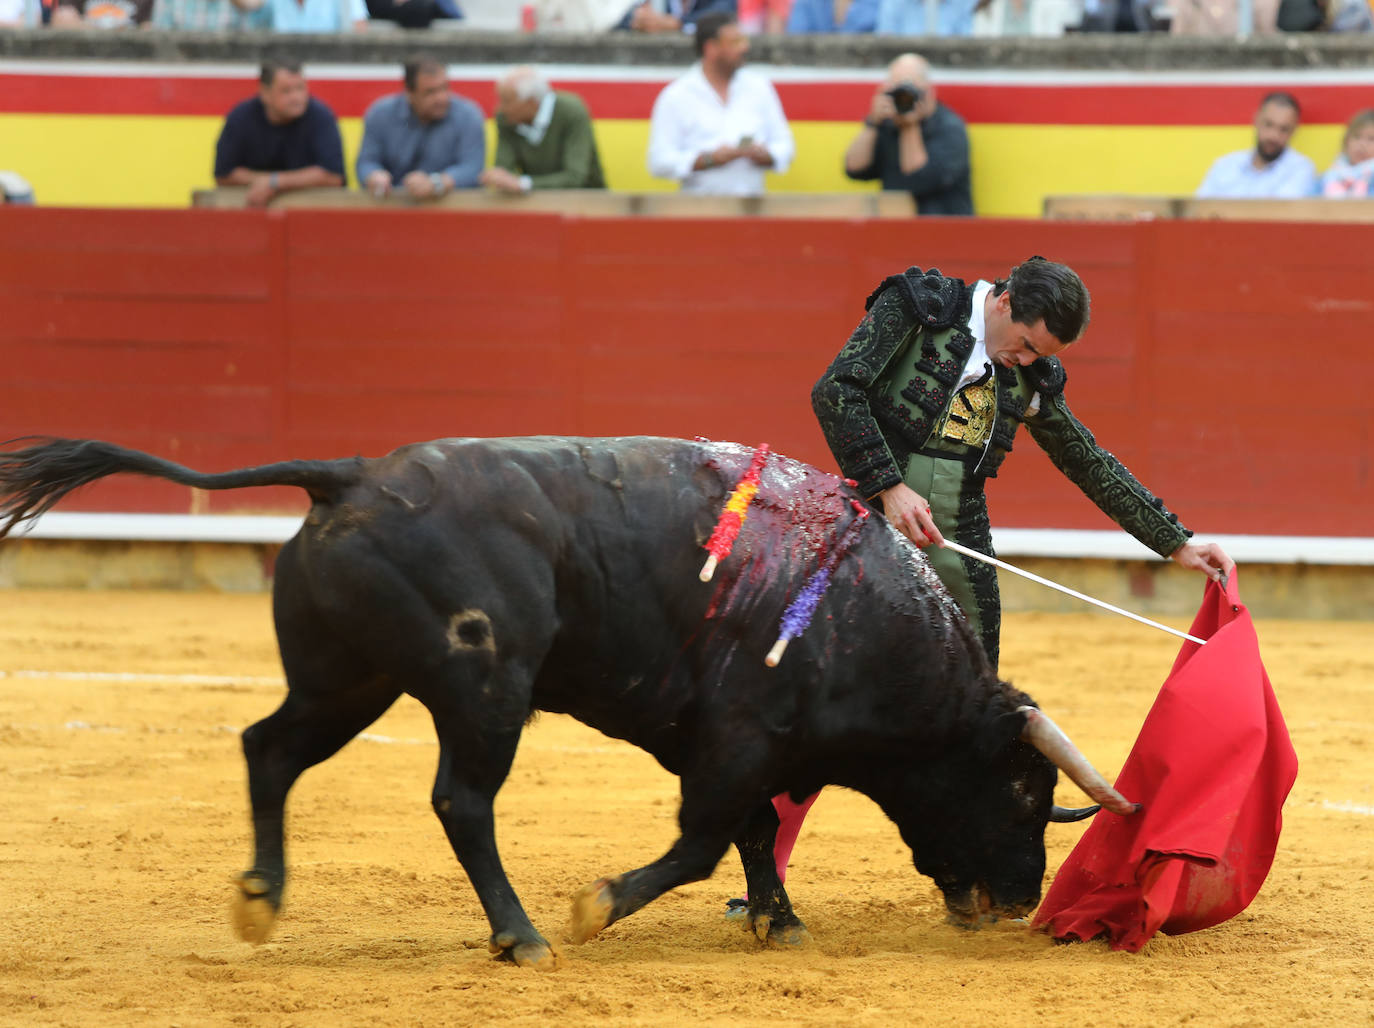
606 900
770 915
708 827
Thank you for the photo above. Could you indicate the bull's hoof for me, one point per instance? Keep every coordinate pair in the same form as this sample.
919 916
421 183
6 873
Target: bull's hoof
591 911
791 936
535 953
779 936
252 912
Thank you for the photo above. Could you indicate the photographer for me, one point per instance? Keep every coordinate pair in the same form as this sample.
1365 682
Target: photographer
911 142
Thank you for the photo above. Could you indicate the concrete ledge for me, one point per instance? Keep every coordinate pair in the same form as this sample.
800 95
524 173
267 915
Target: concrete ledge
1125 207
1104 51
591 203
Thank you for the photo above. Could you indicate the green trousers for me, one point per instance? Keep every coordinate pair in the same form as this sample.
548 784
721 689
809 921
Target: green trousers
959 508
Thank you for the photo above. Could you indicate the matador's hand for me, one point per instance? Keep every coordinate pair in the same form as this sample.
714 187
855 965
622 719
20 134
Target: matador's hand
1209 558
910 514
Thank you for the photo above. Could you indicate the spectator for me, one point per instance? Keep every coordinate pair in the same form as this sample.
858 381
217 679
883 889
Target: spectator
101 14
544 138
671 15
1220 17
716 128
833 16
1271 168
316 15
280 140
211 15
1325 16
767 16
1118 16
425 138
909 17
1353 170
412 14
578 15
912 142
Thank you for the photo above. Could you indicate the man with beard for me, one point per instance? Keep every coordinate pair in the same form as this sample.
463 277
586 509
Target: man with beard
1272 168
719 127
279 140
422 142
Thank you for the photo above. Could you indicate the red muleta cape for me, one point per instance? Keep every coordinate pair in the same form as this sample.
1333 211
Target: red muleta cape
1212 765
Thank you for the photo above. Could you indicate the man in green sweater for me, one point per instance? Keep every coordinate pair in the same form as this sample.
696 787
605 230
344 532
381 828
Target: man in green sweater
543 138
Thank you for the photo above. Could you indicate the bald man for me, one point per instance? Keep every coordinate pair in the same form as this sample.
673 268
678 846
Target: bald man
913 143
544 137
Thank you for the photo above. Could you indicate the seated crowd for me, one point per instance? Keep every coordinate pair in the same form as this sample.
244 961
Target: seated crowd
714 130
884 17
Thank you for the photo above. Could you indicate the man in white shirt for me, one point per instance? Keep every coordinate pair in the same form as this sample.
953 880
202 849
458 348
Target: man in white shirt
717 128
1272 168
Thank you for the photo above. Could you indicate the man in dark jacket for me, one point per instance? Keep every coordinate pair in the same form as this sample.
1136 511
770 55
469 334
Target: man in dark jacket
921 406
281 139
913 143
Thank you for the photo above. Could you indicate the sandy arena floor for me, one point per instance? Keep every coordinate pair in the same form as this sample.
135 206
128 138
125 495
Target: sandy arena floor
123 815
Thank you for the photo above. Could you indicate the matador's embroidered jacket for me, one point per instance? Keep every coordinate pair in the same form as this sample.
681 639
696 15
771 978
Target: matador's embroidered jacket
890 394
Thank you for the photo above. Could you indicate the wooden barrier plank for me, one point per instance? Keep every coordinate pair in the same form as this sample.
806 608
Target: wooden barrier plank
1219 365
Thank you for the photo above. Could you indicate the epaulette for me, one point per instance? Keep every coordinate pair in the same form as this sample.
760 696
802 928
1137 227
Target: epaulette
934 301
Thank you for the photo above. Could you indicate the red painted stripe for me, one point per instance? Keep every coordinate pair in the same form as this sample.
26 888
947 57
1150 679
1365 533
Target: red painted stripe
979 103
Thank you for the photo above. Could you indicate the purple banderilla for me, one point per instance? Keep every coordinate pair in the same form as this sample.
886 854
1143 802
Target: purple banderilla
799 612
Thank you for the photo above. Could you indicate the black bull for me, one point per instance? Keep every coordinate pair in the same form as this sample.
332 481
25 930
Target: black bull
494 578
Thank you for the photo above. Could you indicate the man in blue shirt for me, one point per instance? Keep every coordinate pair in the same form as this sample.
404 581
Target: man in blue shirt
279 140
828 16
1272 168
425 140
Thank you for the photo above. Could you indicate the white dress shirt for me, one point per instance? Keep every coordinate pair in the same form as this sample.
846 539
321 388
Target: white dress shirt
978 363
1291 176
689 119
543 117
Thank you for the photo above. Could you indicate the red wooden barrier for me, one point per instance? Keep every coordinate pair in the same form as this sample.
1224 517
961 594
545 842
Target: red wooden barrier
1225 364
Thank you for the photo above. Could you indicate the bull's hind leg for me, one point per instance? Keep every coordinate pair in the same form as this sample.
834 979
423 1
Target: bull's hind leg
304 731
478 733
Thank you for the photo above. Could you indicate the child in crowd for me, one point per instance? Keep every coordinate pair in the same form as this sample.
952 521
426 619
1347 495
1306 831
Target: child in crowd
1352 171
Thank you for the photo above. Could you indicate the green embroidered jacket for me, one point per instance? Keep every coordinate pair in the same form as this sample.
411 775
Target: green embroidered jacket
890 391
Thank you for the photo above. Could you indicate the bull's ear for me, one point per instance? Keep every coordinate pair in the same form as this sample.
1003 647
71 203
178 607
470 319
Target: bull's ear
999 732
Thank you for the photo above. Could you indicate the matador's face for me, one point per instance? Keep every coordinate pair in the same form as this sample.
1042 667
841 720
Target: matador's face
1010 343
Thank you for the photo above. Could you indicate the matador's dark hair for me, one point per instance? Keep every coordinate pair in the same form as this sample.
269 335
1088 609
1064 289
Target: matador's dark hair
1046 289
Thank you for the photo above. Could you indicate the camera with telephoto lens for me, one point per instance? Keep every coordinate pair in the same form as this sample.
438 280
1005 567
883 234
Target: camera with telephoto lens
905 97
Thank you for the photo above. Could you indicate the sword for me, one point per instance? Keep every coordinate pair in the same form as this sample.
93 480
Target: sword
957 548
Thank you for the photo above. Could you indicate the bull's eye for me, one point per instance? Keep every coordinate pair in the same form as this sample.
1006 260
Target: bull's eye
1022 794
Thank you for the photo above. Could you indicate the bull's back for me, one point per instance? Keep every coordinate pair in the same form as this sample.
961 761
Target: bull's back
584 554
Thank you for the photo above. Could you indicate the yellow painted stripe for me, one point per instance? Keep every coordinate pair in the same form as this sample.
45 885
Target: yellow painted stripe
157 161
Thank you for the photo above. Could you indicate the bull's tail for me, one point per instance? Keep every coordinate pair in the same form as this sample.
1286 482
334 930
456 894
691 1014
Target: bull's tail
35 478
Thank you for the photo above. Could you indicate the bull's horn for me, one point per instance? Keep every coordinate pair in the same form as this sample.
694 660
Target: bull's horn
1046 736
1067 815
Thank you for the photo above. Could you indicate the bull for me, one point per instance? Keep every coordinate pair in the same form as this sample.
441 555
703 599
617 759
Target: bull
494 578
